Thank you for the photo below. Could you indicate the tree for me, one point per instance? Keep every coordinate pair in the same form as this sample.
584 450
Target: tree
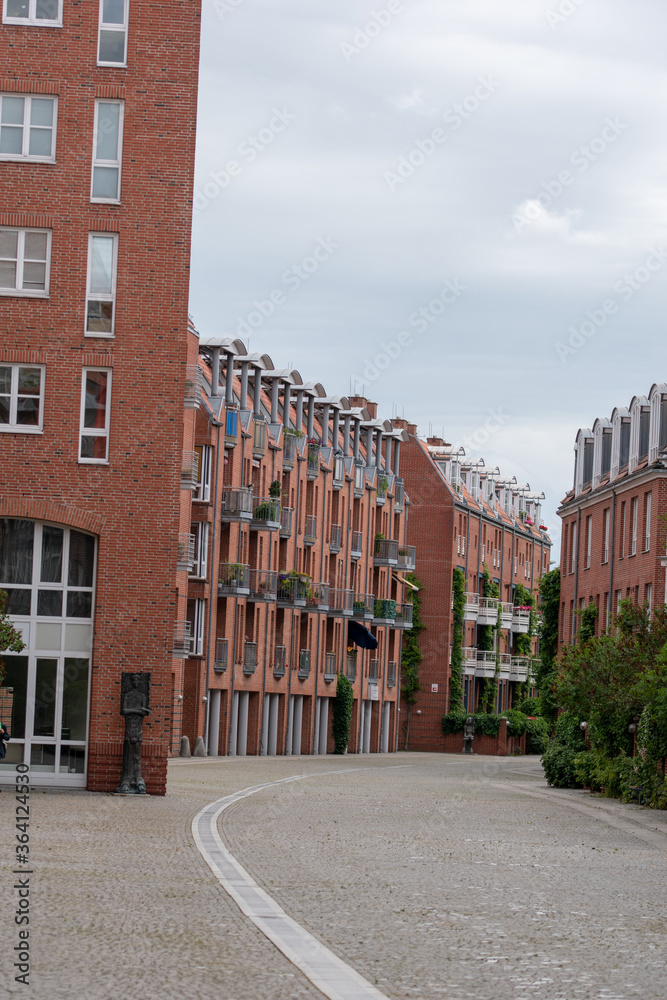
411 655
545 673
342 714
456 669
10 637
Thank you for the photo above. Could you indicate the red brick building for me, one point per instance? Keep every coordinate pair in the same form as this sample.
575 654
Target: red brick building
614 539
97 133
296 528
464 514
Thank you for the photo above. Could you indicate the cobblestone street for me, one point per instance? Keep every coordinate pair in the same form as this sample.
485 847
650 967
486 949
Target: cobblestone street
431 876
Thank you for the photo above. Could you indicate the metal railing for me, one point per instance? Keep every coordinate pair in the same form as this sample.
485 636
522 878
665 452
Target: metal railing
236 505
289 450
339 472
304 663
310 530
182 643
488 611
234 578
249 657
335 540
363 605
351 667
221 654
386 552
292 590
399 495
373 671
486 663
286 515
406 558
359 480
520 620
391 673
330 671
313 461
279 661
317 596
506 615
340 601
192 397
189 470
266 514
404 615
263 584
185 558
471 607
519 667
384 610
356 545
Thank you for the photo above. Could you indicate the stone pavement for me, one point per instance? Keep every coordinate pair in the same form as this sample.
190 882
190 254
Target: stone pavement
431 875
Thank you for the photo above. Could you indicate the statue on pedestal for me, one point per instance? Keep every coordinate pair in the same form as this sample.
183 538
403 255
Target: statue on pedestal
134 705
468 734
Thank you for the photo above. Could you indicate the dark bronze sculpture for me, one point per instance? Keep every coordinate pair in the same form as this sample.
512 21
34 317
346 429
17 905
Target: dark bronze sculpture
468 734
134 705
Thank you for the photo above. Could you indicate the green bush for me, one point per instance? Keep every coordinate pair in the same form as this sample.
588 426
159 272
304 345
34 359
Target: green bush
530 706
454 722
342 714
487 725
585 769
517 722
558 763
537 735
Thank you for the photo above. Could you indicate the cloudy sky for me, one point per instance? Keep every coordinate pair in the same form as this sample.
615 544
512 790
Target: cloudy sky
460 204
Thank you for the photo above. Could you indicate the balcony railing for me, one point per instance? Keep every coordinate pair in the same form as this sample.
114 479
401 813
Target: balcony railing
339 472
351 667
292 590
373 671
386 552
363 605
185 559
289 450
381 491
182 643
310 530
340 602
399 495
234 579
356 543
249 657
236 505
259 438
505 663
391 673
286 515
231 426
519 668
488 611
265 515
469 659
506 615
317 597
304 663
359 480
189 470
406 558
313 461
330 671
334 543
192 398
486 663
471 608
404 615
384 611
263 585
521 620
221 653
279 661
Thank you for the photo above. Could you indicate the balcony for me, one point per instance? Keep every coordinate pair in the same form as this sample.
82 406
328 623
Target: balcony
519 667
249 658
486 664
356 543
363 606
231 427
192 398
263 585
259 438
292 590
469 660
521 619
403 616
335 540
351 667
234 579
313 460
304 664
505 664
406 558
359 480
391 673
189 470
317 597
279 661
236 505
310 530
185 559
221 653
286 515
399 495
339 472
340 602
266 515
373 671
488 611
182 643
471 608
381 492
330 672
386 552
289 449
506 615
384 612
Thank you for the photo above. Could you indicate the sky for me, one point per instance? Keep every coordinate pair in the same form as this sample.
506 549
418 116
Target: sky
455 207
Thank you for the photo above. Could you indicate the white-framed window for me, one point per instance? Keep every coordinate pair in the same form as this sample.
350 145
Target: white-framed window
196 615
107 151
203 490
647 522
101 284
200 531
633 537
605 544
22 398
95 414
28 127
649 594
112 37
589 540
25 257
48 13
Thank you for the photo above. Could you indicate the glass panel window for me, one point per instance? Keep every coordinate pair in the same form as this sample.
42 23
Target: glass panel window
21 398
72 760
101 292
50 603
107 151
95 407
16 544
27 127
45 697
48 13
52 554
43 757
24 261
112 39
13 694
81 559
75 699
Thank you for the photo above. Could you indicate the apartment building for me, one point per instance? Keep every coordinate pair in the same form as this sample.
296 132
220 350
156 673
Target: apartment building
469 516
297 529
614 518
97 134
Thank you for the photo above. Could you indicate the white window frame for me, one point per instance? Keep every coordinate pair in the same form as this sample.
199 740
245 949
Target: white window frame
95 431
202 492
635 511
32 16
117 163
14 427
200 566
589 540
35 293
647 529
24 154
113 27
197 637
96 297
607 522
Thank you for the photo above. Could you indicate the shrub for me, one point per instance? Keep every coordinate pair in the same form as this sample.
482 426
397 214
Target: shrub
454 722
517 722
558 763
342 714
537 735
530 706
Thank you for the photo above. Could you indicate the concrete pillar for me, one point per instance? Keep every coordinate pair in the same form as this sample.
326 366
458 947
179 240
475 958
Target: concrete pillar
324 724
369 446
297 723
242 743
311 417
336 429
265 725
357 432
287 402
234 724
368 714
325 425
229 379
384 736
290 725
244 385
215 371
299 409
275 389
272 748
214 722
346 434
257 408
185 746
397 456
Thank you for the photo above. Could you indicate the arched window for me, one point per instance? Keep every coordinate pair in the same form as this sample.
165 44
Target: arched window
658 419
639 431
583 465
602 432
620 440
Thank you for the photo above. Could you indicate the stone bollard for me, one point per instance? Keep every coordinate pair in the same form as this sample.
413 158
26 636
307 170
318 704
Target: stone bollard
200 749
185 746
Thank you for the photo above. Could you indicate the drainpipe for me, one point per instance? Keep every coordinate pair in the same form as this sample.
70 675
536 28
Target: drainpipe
299 409
612 539
357 429
397 456
214 590
576 565
325 425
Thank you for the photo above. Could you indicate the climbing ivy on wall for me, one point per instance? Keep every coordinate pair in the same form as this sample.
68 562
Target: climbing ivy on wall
456 675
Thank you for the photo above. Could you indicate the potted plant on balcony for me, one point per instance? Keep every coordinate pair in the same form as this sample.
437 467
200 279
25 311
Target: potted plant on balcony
358 607
275 490
383 486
